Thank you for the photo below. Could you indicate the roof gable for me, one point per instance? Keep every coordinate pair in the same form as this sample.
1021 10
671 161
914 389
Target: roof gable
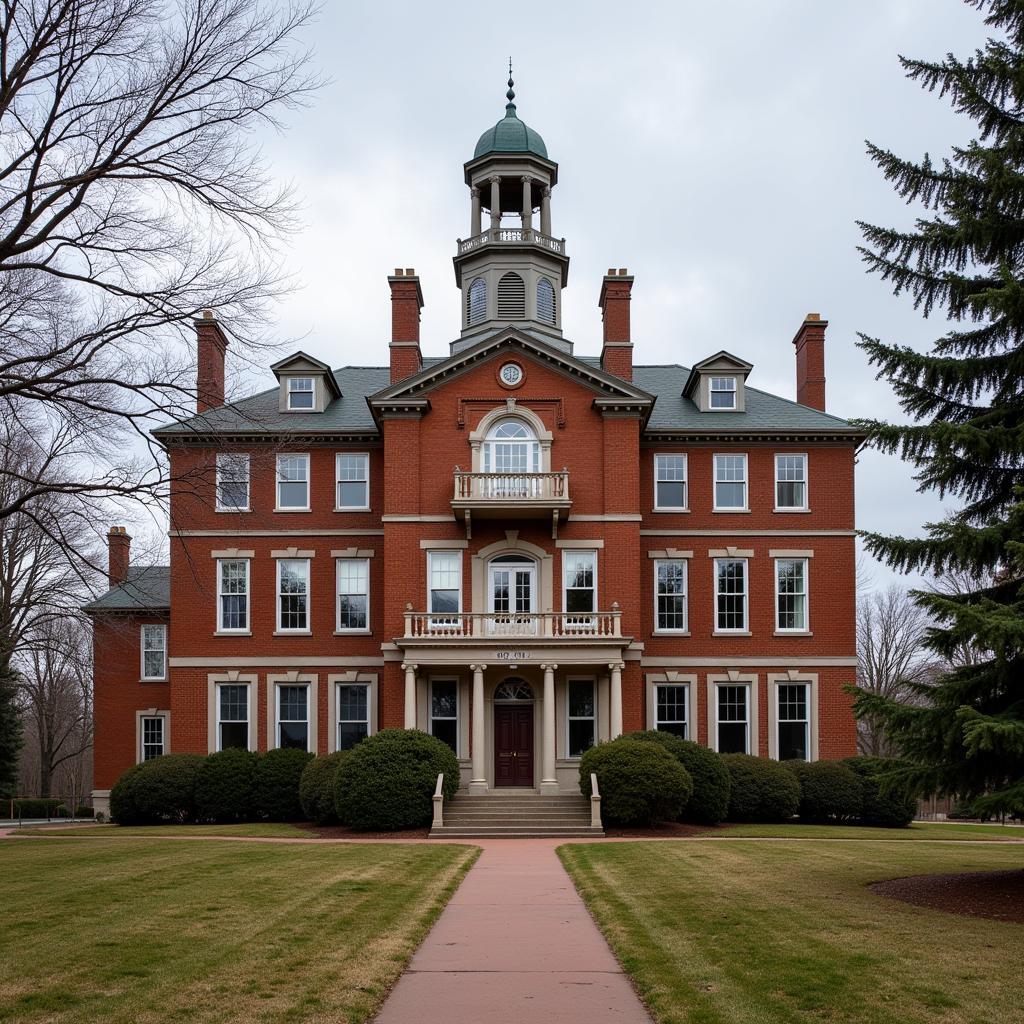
721 360
301 362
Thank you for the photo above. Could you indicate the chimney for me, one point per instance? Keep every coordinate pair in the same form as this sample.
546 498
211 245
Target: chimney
810 361
211 345
617 349
406 303
118 552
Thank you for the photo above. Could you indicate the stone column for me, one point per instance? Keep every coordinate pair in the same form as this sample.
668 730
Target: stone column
545 210
527 202
474 218
615 729
548 781
495 181
478 780
410 694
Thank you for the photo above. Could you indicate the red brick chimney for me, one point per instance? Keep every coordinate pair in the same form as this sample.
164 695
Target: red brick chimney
810 361
118 553
406 303
211 346
617 349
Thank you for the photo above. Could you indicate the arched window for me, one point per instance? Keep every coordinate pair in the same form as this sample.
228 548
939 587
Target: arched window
511 297
476 302
511 447
513 688
545 302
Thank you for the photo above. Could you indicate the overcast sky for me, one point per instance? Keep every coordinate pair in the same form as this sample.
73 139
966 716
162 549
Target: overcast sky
716 150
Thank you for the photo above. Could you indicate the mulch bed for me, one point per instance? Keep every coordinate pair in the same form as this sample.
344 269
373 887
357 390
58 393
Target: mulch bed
343 832
998 895
667 830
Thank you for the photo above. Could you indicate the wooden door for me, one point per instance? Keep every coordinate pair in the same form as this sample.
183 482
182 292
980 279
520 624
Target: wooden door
513 745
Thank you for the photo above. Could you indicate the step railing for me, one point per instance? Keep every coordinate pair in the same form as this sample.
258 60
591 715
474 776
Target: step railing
595 802
439 802
491 625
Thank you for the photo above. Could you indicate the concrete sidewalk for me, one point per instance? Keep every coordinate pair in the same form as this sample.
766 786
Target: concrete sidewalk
515 944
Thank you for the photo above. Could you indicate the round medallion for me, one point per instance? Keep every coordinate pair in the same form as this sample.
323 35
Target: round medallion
511 375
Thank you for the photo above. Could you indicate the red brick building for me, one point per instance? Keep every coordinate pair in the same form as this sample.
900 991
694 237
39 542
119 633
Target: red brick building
518 548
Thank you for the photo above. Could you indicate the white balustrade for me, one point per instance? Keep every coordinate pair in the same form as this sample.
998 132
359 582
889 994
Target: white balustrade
511 236
498 487
503 625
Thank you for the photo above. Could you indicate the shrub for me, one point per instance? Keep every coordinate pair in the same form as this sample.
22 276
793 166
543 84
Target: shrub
276 781
84 812
387 781
36 807
225 788
316 788
160 790
640 782
886 803
709 803
762 790
830 792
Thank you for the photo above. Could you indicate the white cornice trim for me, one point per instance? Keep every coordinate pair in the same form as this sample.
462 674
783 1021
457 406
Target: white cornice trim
748 533
283 662
730 662
242 534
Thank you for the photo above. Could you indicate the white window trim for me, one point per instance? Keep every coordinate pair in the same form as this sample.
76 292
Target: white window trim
711 378
775 680
221 630
431 552
686 482
805 630
753 727
671 678
686 685
805 507
251 730
338 507
457 683
569 680
745 507
274 684
309 598
288 391
140 717
349 679
745 630
218 507
142 653
685 631
346 630
277 480
566 553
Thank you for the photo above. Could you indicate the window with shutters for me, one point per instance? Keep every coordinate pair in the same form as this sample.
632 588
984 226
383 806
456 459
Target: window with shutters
511 297
476 302
546 312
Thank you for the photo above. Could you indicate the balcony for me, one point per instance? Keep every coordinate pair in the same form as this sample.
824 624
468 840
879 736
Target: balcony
511 237
490 626
516 495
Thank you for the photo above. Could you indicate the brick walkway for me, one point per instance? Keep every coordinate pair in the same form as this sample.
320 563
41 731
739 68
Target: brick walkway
515 944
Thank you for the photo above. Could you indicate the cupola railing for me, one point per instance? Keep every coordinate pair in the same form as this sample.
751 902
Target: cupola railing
511 236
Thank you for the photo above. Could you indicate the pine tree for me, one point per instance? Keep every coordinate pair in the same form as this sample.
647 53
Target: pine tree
965 255
10 733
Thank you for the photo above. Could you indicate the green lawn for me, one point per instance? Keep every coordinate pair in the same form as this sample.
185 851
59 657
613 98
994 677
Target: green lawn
777 933
919 830
262 830
133 933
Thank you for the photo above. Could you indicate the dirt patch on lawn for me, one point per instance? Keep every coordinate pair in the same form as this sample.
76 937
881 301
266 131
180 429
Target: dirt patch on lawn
998 895
344 832
666 830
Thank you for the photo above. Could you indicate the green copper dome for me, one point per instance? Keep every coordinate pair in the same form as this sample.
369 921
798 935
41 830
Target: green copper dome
510 135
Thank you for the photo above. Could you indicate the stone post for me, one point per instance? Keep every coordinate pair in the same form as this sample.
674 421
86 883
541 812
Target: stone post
495 181
615 729
478 780
410 694
548 781
545 210
474 219
527 202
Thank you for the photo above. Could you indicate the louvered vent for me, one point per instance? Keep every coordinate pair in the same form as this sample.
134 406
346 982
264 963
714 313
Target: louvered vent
511 297
476 302
545 302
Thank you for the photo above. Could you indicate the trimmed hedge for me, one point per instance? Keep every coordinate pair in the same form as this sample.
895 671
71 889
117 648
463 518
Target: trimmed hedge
830 792
885 803
37 807
276 784
316 788
762 790
640 782
225 787
84 812
387 781
709 803
157 791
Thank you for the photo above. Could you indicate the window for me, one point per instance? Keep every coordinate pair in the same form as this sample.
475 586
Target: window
579 578
444 712
732 719
152 738
730 482
232 595
154 652
722 393
301 393
510 448
511 297
670 709
793 722
582 716
670 596
670 482
293 594
791 481
444 583
293 482
353 714
293 717
353 481
232 716
730 594
545 302
476 302
232 482
791 594
353 593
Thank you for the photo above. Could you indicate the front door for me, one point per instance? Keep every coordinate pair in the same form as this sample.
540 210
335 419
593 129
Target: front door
512 599
513 744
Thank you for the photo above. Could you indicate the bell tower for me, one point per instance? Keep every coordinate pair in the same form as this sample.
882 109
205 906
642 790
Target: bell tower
511 272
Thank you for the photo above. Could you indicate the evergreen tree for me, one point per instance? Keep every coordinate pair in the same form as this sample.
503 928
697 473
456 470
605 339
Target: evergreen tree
965 256
10 732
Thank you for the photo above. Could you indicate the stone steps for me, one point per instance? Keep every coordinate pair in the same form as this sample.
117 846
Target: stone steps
517 816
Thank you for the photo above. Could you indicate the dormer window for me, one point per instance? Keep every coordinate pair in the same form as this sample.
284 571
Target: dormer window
301 393
722 393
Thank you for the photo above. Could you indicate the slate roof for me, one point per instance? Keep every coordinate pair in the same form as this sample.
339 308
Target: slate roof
147 586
